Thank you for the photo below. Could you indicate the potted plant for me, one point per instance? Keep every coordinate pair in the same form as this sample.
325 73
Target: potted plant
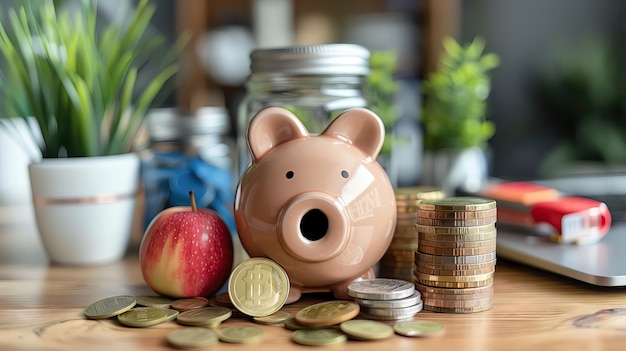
456 129
80 85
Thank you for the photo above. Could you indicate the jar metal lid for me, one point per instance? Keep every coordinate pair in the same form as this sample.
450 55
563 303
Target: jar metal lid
344 59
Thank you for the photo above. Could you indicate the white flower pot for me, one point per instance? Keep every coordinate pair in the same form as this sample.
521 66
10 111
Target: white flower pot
84 206
452 170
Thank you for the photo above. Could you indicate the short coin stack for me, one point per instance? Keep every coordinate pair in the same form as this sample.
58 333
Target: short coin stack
386 299
399 259
456 258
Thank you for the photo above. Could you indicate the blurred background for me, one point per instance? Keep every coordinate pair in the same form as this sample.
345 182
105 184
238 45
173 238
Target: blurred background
557 98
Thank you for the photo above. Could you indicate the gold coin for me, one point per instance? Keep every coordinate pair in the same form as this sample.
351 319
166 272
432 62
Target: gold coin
426 289
464 297
241 335
404 209
436 222
419 193
454 285
142 317
418 328
492 213
204 316
457 309
318 337
192 337
404 246
458 244
275 318
183 305
327 313
410 216
153 301
258 287
457 237
363 329
454 278
109 307
476 303
460 272
291 324
489 228
463 203
171 313
469 251
457 267
454 260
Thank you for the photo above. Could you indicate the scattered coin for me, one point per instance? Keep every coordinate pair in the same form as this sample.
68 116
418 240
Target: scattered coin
418 328
171 313
109 307
318 337
240 335
153 301
381 289
258 287
192 337
327 313
139 317
275 318
223 299
363 329
291 324
183 305
205 316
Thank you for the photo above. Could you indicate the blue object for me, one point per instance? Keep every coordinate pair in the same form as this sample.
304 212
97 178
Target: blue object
169 177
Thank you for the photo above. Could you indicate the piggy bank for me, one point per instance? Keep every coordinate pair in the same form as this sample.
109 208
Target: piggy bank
318 205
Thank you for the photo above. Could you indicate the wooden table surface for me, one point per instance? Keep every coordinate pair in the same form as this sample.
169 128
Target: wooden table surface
41 309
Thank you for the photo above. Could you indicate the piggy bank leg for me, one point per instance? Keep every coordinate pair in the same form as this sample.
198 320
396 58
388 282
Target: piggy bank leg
340 291
295 292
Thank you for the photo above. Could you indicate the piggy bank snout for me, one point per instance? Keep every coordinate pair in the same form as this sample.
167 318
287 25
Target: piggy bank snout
314 227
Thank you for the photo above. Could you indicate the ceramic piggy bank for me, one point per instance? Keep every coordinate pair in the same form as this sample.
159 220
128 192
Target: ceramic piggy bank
318 205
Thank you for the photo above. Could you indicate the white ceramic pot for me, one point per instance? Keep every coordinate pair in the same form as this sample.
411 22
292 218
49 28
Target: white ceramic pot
84 206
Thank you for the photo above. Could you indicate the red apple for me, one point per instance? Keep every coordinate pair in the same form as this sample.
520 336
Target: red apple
186 252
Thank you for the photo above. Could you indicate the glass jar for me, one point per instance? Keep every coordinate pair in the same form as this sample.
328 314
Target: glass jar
316 83
189 153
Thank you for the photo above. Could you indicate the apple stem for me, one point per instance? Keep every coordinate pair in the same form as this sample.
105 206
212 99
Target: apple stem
194 207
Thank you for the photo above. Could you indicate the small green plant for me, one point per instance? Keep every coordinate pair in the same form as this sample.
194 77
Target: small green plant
381 87
455 106
78 83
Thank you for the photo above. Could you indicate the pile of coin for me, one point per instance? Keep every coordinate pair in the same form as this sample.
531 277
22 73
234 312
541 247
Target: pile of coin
456 257
398 261
386 299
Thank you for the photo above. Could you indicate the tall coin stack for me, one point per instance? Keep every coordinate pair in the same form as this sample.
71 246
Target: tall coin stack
399 259
456 257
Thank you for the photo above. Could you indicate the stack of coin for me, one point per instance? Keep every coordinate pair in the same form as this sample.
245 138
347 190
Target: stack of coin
386 299
456 258
399 259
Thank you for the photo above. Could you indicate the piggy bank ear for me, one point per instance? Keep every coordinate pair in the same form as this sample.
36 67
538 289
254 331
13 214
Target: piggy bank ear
359 127
271 127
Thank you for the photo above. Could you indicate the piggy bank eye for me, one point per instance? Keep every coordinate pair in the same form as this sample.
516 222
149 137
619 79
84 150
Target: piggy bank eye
345 174
289 174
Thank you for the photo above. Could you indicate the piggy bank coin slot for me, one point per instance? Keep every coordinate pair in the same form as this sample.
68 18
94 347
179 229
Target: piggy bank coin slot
314 225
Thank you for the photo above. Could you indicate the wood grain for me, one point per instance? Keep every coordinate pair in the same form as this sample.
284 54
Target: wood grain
41 309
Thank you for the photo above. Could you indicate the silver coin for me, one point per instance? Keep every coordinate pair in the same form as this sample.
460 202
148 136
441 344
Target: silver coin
398 303
381 289
391 313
